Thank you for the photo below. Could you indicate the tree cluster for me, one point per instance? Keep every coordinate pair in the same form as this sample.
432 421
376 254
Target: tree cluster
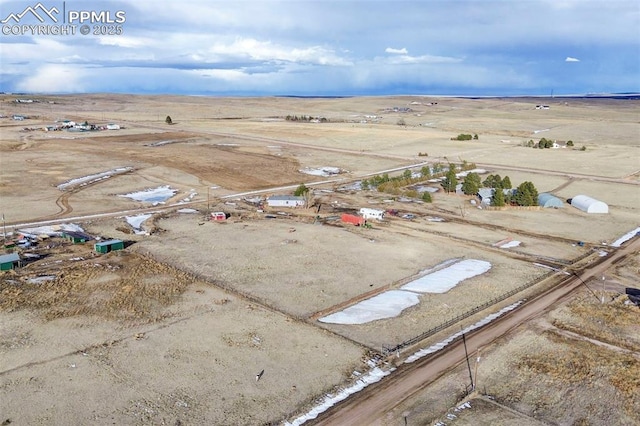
495 181
471 184
543 143
525 195
450 180
465 137
306 118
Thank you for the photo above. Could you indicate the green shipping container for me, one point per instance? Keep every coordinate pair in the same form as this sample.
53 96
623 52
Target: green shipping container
107 246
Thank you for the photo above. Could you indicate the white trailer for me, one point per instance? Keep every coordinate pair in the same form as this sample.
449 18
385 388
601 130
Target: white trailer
372 213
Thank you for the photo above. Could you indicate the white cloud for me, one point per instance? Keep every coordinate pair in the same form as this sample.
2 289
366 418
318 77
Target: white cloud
125 41
250 48
54 79
402 51
570 59
423 59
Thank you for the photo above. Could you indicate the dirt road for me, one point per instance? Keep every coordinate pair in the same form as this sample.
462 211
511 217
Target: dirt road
370 405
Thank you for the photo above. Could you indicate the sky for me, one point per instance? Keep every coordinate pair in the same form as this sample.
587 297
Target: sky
322 47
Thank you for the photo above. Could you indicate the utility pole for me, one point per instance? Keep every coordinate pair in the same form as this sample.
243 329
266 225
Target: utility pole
4 232
585 284
464 341
475 373
603 289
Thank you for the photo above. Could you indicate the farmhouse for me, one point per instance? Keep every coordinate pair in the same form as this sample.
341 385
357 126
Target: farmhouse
589 205
109 245
285 201
486 195
548 200
9 261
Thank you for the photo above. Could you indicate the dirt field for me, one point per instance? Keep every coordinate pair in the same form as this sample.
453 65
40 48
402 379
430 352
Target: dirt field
174 329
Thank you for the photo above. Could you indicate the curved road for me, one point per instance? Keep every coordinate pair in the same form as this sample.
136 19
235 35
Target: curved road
369 406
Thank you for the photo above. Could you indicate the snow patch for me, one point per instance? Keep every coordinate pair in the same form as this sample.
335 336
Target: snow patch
373 376
385 305
322 171
510 244
153 195
86 180
445 279
626 237
137 221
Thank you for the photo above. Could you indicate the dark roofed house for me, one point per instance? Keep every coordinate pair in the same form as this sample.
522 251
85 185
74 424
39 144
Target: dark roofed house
9 261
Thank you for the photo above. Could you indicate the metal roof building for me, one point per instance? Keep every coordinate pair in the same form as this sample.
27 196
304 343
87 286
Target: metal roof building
107 246
549 200
589 205
285 201
9 261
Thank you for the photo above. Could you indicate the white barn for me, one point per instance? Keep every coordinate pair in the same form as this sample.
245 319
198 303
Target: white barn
589 205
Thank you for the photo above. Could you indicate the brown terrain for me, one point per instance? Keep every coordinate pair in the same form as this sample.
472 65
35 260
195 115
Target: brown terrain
174 328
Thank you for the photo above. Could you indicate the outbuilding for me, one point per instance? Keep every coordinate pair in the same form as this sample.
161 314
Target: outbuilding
9 261
589 205
285 201
109 245
76 237
217 216
549 200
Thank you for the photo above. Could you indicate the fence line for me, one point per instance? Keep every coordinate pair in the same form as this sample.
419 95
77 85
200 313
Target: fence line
387 349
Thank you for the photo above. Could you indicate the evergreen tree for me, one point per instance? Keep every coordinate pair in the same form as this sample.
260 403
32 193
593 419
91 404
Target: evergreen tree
498 198
426 172
506 183
450 181
168 120
526 194
426 197
471 184
301 190
493 181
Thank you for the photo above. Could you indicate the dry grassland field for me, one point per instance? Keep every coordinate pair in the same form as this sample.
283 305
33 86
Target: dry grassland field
203 322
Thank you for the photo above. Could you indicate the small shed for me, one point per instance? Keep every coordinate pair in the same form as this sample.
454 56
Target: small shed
76 237
549 200
109 245
9 261
589 205
285 201
219 216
